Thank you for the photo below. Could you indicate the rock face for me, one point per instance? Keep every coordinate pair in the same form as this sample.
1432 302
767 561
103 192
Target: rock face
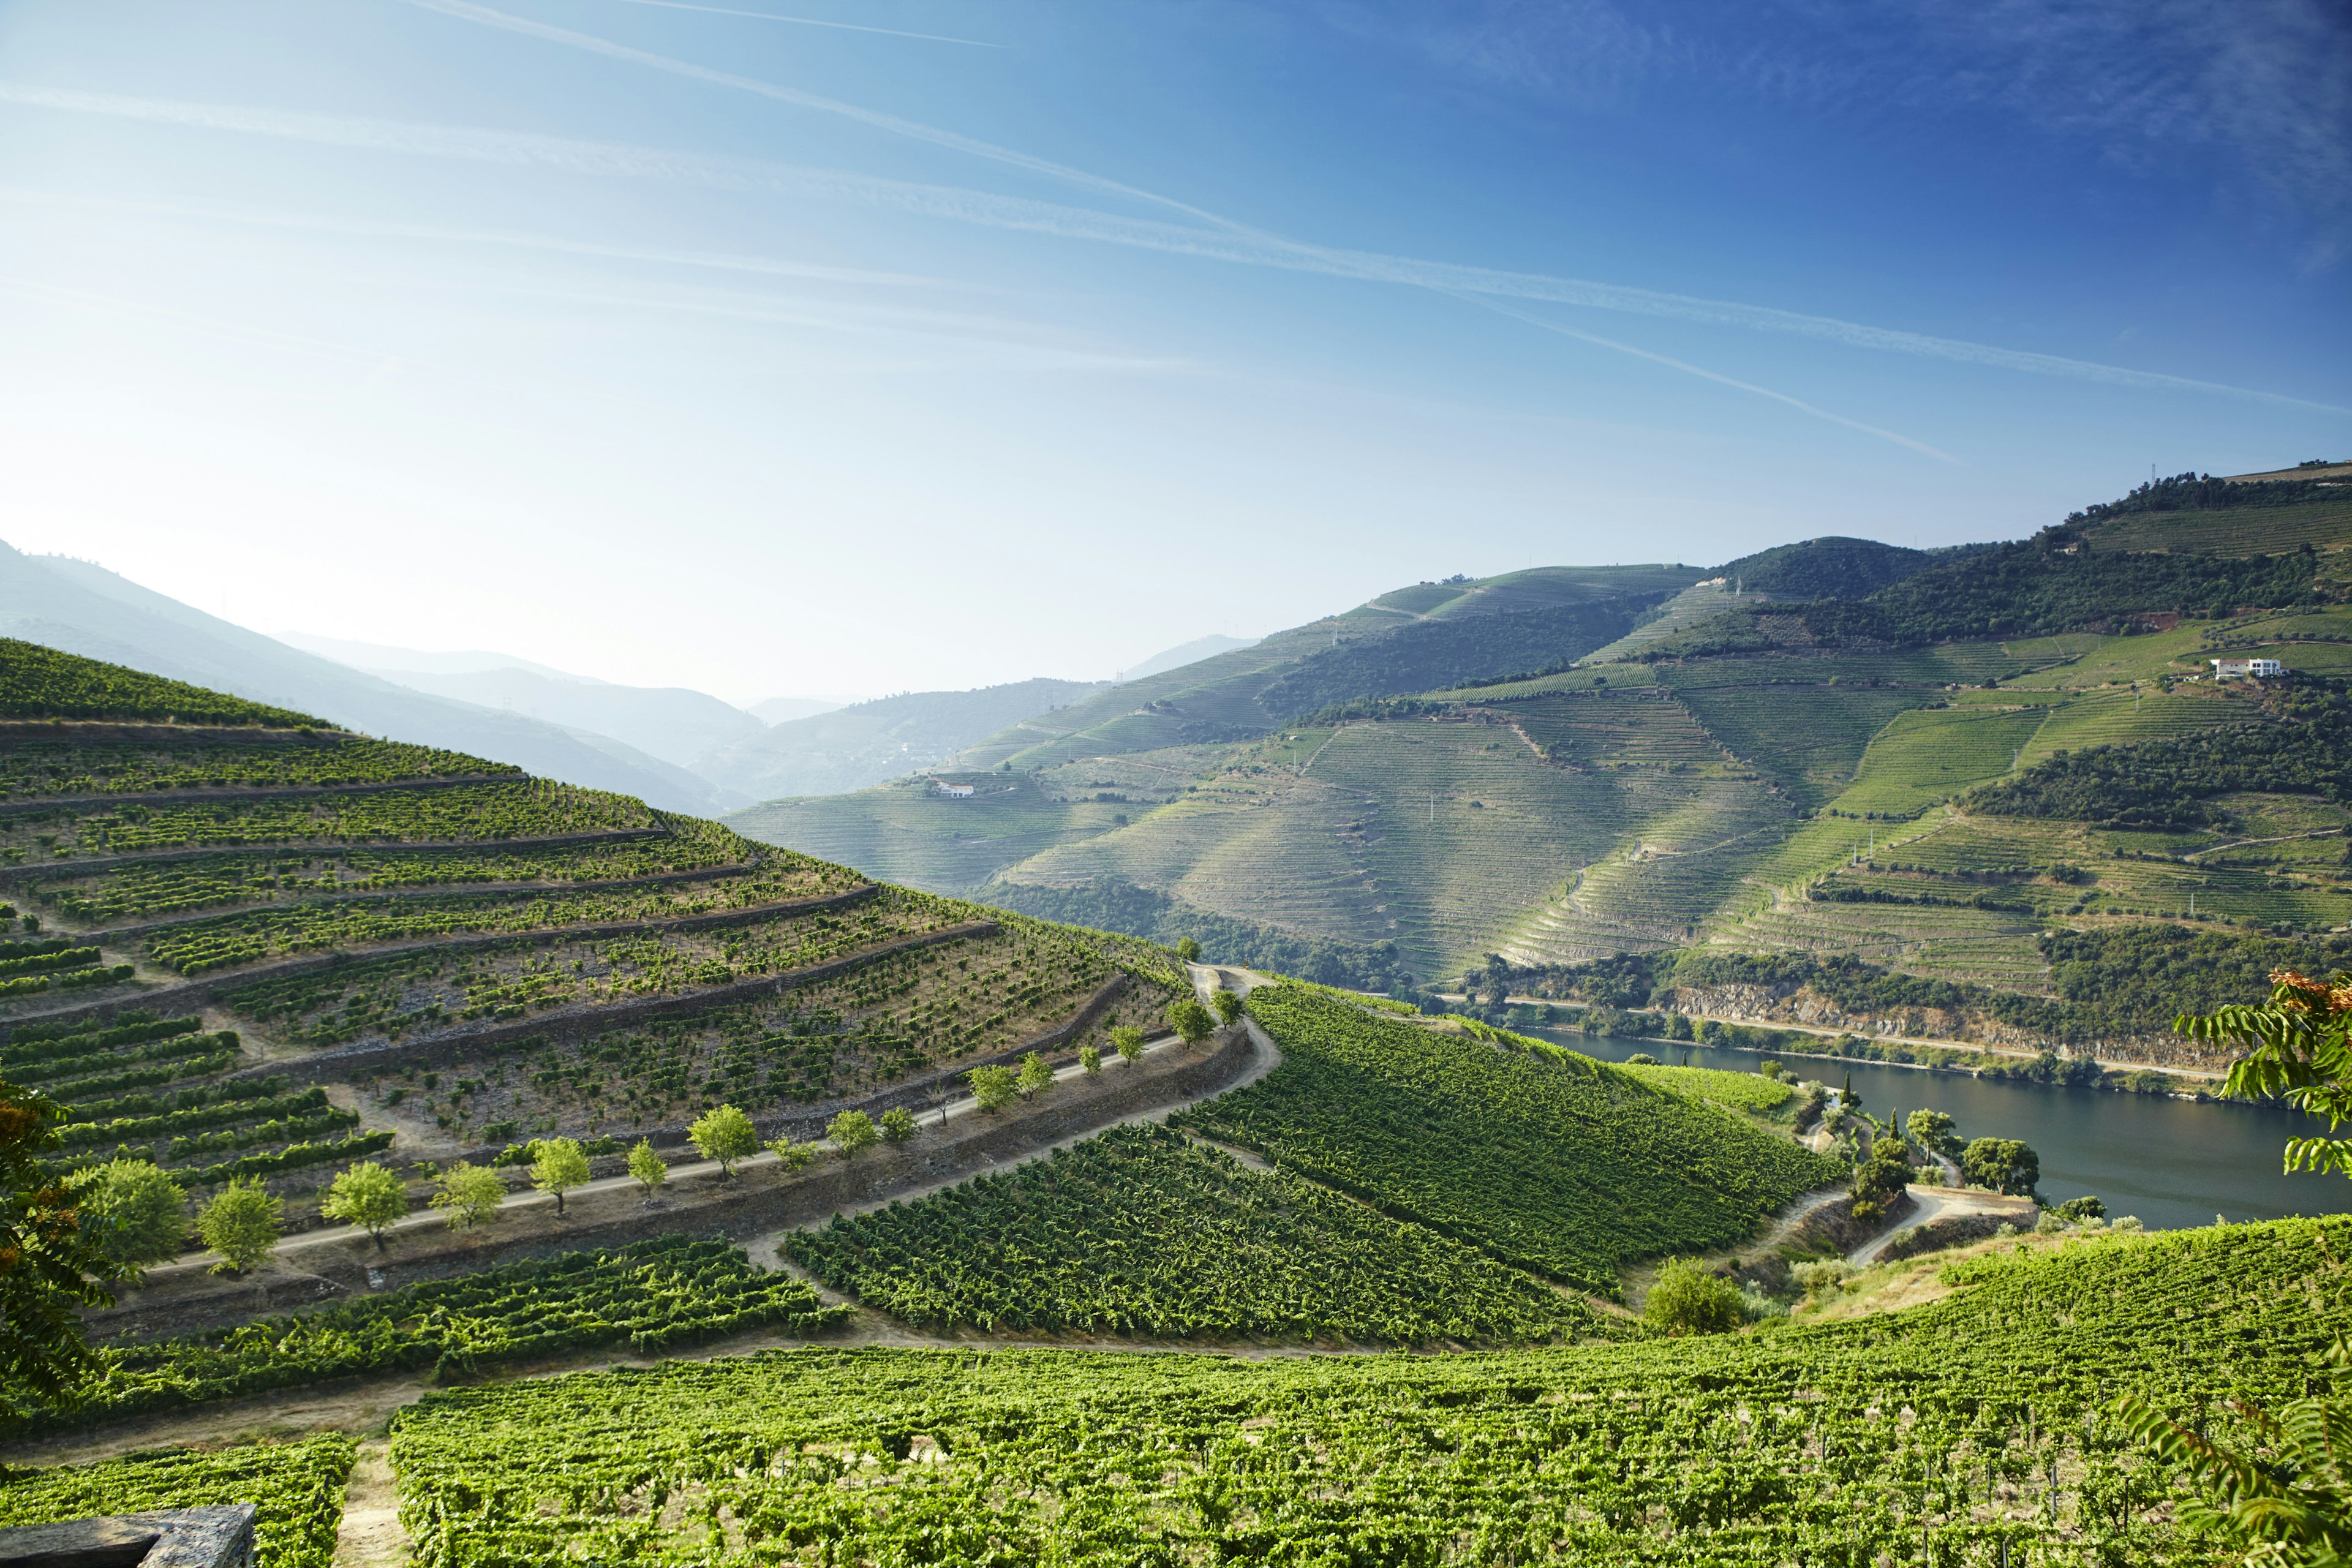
218 1537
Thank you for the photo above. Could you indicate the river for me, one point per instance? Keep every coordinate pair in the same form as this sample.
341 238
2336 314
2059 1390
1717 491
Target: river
2173 1162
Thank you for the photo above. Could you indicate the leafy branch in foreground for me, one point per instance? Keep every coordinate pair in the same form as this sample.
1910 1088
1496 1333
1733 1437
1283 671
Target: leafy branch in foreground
2287 1501
2297 1047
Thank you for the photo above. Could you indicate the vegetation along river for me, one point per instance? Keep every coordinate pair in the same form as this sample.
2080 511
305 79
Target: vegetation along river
2173 1162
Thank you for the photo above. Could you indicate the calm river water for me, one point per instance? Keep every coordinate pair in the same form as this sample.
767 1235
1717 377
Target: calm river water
2173 1162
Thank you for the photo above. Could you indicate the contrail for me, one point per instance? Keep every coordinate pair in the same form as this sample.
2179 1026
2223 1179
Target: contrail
812 22
1024 215
468 11
1702 372
1443 277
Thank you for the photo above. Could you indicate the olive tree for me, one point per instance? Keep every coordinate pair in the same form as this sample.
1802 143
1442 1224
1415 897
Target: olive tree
557 1166
898 1124
470 1195
992 1087
1228 1005
1128 1040
852 1133
651 1170
242 1224
368 1196
724 1134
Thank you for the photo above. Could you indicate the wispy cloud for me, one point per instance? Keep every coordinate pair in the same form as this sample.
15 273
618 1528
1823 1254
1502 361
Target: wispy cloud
1705 375
894 124
813 22
1021 213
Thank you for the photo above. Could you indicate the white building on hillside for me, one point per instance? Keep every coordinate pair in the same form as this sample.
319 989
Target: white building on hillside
953 791
2230 668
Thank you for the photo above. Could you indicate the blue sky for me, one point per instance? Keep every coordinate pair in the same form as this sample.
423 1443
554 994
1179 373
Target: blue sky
936 345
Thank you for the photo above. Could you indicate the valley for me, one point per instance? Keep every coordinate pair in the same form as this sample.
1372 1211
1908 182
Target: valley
1401 1090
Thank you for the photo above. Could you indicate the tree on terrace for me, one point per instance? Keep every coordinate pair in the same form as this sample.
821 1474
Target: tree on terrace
651 1170
724 1134
1192 1022
1228 1005
1128 1040
241 1224
1880 1180
132 1210
470 1193
1932 1131
1686 1300
1188 950
898 1124
852 1133
368 1196
992 1087
557 1165
1034 1076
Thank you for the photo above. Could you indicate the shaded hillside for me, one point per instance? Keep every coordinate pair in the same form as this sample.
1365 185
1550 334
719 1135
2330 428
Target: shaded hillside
867 743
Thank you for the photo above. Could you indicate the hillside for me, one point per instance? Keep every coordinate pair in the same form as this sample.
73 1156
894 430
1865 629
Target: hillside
267 949
256 944
84 609
1913 777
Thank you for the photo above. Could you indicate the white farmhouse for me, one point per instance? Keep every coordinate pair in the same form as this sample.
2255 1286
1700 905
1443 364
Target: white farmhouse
952 791
2231 668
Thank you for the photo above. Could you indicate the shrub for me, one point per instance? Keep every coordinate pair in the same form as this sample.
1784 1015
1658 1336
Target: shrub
1686 1300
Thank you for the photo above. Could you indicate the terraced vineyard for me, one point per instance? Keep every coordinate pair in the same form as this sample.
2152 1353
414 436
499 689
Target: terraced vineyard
153 888
648 1297
1806 738
1143 1232
1971 1428
1552 1163
478 955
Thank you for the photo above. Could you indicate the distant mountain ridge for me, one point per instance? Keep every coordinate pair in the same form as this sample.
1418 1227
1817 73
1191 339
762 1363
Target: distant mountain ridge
868 743
81 608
